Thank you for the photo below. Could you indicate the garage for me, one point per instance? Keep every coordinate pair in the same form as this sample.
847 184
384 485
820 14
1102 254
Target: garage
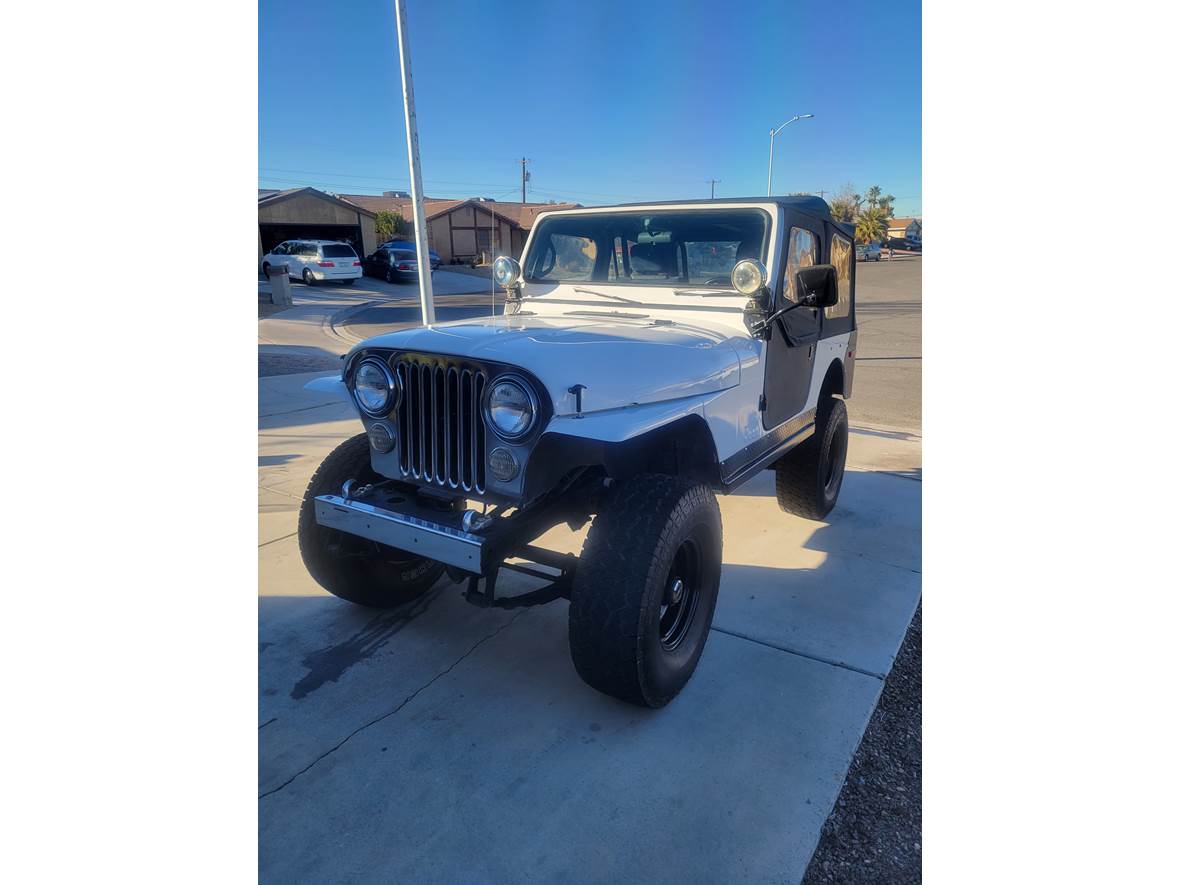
306 213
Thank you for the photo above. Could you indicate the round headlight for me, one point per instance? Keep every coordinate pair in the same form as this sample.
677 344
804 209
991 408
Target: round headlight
505 271
511 408
748 276
373 386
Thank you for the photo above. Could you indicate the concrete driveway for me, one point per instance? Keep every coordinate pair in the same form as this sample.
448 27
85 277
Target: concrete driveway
444 743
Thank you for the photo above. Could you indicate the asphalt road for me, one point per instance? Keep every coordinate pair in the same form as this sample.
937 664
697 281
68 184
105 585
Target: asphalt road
887 389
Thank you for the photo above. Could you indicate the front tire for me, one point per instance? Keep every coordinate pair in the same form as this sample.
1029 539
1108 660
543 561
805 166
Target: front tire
355 569
807 479
645 589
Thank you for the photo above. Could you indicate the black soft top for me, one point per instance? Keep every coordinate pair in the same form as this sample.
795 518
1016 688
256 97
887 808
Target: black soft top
817 207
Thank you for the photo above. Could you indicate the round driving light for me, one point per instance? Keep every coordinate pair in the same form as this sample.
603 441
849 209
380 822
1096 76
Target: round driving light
748 276
373 386
381 438
503 465
511 408
505 271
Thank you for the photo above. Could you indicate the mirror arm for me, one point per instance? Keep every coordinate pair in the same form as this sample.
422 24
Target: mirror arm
762 325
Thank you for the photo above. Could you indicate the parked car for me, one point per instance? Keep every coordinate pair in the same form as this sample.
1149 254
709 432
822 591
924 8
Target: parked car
393 265
913 245
868 252
316 261
648 358
435 259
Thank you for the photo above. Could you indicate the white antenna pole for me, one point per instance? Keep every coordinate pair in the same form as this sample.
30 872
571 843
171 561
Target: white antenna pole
425 285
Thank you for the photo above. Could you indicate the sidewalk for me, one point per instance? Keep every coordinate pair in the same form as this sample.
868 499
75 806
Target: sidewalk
442 742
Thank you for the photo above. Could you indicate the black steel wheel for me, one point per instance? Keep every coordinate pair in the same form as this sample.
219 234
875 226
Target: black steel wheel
645 588
355 569
808 478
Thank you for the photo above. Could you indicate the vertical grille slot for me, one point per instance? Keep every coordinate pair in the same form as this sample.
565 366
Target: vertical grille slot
440 424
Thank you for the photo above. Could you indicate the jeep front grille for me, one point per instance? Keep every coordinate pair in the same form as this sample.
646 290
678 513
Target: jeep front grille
440 424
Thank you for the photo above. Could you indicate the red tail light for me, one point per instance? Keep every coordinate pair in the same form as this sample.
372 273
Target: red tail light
356 264
326 263
403 267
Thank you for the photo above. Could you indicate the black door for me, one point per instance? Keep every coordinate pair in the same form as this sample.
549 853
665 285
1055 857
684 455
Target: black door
790 352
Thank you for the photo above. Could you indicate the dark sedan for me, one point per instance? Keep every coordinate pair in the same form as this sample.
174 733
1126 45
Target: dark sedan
435 259
392 265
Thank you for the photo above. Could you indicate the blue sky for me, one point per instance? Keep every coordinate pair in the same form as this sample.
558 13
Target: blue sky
610 101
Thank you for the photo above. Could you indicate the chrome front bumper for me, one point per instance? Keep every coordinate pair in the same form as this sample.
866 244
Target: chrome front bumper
416 530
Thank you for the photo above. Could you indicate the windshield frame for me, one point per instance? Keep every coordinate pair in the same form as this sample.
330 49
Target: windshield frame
768 232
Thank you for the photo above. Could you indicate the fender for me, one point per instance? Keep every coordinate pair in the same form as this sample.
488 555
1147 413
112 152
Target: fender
671 436
331 384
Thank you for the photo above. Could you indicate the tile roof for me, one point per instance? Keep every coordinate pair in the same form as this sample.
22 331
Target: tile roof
520 214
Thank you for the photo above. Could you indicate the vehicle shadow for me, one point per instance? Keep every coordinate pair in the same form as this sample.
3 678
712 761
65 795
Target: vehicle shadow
840 592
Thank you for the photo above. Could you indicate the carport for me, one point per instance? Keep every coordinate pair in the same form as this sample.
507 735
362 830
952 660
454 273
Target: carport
306 213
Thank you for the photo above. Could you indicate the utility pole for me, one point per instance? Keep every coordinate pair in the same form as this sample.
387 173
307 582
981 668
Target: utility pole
425 286
712 182
524 177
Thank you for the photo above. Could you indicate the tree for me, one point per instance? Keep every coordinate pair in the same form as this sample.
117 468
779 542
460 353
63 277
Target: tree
872 196
886 204
389 225
845 203
871 226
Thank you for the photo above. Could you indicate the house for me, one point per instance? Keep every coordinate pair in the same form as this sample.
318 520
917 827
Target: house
905 228
306 213
462 230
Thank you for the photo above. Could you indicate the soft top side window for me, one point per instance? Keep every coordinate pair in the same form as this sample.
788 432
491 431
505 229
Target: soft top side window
803 251
842 259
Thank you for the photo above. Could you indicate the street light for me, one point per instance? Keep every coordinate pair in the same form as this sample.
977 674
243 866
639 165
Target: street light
773 133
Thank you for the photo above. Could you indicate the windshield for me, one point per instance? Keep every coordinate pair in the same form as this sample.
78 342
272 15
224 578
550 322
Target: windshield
684 247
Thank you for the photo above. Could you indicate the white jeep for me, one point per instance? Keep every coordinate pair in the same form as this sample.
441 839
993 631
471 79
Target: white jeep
648 357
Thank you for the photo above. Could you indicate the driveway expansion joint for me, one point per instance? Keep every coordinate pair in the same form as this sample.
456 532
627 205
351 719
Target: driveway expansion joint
801 654
417 691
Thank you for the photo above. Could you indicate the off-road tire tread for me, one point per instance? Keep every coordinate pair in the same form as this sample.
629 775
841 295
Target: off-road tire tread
628 540
796 474
372 583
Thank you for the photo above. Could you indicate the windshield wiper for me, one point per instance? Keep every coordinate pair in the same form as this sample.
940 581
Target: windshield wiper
709 293
605 295
615 314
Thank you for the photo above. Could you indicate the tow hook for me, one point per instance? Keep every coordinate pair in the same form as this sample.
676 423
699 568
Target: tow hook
349 492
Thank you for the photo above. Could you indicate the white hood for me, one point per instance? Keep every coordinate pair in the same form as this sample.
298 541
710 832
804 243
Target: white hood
621 362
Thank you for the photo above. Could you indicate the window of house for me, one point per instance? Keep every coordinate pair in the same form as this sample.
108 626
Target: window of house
803 252
483 239
842 259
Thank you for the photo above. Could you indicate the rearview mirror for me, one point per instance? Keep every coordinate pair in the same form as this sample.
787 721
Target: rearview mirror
816 285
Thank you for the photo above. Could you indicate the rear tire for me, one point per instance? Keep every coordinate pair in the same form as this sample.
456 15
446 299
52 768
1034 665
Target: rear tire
645 589
357 570
808 478
308 279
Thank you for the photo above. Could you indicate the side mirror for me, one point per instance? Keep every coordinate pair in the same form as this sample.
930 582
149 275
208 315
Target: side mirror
816 285
506 272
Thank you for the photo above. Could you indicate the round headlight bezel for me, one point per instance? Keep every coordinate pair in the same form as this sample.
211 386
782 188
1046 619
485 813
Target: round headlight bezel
756 267
534 404
394 389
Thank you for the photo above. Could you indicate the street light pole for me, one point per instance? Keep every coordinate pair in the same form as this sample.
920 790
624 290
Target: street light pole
425 287
773 133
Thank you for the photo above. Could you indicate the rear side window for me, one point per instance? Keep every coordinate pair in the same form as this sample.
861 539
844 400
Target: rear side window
404 256
804 252
842 260
306 249
340 251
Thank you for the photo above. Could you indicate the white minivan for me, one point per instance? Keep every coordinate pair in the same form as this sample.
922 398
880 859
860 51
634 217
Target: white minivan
315 261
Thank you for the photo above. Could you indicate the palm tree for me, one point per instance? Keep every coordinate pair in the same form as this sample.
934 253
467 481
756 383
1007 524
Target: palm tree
887 205
870 226
872 195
